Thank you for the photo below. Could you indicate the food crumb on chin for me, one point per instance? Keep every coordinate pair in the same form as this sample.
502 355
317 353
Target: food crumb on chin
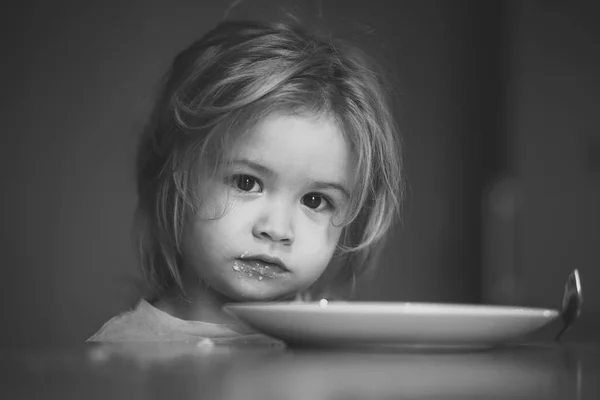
236 266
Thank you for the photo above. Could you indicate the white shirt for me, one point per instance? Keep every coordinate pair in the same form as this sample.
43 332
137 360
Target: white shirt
146 323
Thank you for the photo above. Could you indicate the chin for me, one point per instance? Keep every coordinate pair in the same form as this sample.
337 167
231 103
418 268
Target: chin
257 294
246 296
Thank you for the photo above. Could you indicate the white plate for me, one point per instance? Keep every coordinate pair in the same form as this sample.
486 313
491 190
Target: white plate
412 324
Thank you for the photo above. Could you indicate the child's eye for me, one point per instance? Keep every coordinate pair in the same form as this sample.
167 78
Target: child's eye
316 202
246 183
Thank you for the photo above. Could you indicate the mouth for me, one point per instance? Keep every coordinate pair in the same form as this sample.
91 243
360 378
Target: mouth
261 267
267 260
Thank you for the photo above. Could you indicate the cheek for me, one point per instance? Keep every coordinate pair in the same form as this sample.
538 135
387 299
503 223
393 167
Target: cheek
214 203
220 236
319 243
331 233
217 211
217 235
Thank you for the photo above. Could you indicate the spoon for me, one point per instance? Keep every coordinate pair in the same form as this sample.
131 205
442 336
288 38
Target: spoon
571 303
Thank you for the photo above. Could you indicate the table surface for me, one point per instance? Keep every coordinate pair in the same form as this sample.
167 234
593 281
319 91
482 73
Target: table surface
543 370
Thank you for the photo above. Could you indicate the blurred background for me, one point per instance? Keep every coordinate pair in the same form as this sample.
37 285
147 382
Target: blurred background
498 104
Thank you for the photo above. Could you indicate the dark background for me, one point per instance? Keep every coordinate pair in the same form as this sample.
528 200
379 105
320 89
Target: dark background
498 104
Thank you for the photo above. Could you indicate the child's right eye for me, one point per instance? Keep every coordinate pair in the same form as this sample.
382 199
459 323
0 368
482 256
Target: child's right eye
246 183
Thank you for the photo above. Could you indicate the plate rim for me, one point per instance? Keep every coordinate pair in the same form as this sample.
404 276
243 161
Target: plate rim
378 307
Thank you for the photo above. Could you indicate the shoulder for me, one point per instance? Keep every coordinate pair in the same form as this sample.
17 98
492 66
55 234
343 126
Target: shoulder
137 324
146 323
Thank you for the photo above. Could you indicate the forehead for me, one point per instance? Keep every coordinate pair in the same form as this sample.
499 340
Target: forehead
298 146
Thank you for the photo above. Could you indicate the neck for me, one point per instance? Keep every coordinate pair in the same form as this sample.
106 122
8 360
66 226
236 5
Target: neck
200 303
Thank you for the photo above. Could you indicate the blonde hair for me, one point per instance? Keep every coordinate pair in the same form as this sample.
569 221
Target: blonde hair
220 86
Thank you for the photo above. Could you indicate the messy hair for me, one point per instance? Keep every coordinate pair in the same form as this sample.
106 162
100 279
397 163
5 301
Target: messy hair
222 85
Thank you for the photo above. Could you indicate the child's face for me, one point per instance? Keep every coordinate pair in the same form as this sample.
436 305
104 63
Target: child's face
280 205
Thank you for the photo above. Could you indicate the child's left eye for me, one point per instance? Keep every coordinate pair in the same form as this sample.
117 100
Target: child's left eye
316 202
246 183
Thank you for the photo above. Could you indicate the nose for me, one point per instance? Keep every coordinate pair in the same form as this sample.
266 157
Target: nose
275 223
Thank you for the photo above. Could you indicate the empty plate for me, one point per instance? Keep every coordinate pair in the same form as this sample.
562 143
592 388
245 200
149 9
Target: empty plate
404 324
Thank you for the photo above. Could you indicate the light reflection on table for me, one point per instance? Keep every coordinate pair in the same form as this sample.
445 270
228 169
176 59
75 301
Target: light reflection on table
187 371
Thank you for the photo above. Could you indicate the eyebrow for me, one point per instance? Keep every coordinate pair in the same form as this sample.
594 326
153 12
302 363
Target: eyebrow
317 184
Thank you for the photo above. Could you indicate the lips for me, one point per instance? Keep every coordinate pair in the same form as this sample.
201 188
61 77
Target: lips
265 259
261 267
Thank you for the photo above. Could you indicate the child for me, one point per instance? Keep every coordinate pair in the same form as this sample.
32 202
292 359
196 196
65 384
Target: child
270 171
